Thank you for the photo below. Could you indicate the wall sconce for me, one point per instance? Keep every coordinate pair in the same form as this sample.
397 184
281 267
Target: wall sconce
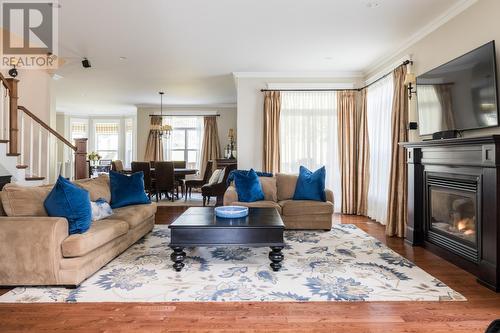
410 83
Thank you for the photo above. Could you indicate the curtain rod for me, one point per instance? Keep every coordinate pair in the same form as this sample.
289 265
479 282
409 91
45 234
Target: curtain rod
406 62
185 115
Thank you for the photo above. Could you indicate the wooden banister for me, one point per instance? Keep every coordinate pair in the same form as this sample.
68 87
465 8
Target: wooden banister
81 166
47 127
13 129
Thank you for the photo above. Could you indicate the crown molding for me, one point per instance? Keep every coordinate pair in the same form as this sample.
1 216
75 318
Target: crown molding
420 34
310 86
190 107
299 75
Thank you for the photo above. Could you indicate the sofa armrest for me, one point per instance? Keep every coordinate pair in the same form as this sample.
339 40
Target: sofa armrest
230 196
329 196
31 249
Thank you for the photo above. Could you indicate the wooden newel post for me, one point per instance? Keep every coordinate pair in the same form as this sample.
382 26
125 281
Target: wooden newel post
81 166
13 128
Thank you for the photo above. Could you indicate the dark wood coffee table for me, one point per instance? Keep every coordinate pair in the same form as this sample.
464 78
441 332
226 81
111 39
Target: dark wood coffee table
198 226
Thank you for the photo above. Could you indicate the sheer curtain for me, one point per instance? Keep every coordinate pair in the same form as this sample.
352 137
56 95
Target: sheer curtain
379 111
308 137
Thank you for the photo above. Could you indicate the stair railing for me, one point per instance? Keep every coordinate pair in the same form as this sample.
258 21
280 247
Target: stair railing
32 140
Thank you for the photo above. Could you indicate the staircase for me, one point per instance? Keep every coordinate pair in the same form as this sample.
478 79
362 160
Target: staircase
29 147
20 173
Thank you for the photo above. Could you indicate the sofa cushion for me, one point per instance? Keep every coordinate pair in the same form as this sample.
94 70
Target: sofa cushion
72 202
20 201
285 184
269 188
305 207
134 215
99 234
97 187
259 204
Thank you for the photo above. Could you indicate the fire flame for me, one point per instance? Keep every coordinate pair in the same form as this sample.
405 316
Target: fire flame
466 226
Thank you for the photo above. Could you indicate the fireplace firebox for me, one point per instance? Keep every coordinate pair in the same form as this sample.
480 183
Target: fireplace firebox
451 219
453 194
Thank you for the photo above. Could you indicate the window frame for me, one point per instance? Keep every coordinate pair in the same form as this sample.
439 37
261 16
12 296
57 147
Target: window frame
118 134
185 129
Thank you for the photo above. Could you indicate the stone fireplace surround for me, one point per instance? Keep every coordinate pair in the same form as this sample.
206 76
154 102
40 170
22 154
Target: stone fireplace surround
468 167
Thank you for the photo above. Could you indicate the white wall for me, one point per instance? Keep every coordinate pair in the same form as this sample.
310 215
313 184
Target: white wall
226 121
474 27
250 101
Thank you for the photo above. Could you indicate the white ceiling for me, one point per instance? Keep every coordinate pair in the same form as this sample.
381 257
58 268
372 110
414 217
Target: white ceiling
189 48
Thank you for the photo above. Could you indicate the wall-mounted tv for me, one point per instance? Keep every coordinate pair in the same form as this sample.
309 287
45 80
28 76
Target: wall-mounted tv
461 94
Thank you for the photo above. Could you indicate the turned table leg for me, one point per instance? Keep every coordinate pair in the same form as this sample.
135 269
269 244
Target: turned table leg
178 257
276 257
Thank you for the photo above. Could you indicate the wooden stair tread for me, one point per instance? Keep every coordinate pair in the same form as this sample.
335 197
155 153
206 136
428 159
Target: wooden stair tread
21 166
33 178
4 141
13 154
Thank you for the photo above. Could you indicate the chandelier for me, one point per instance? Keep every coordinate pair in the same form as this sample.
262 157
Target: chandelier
162 129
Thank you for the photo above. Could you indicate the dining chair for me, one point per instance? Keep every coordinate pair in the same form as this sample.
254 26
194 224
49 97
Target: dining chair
165 179
148 180
189 184
117 166
180 179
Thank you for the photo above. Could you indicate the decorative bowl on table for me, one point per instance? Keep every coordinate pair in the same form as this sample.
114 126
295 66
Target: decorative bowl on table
231 212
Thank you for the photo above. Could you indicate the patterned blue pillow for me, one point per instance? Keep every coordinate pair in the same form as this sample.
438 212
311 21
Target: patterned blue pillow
100 209
69 201
310 185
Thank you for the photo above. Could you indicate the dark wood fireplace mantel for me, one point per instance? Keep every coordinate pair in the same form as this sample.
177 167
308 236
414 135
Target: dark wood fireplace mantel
472 164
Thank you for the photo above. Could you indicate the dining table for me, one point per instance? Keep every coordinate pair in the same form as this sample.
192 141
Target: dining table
180 172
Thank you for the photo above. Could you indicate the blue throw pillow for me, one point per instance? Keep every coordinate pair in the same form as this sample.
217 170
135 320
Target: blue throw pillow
310 185
72 202
127 190
248 186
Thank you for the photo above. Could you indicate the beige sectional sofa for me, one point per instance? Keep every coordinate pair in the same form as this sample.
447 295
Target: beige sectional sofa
296 214
37 250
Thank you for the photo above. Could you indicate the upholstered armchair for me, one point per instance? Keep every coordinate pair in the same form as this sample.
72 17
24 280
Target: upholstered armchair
218 189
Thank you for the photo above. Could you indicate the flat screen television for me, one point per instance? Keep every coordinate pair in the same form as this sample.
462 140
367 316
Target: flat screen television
459 95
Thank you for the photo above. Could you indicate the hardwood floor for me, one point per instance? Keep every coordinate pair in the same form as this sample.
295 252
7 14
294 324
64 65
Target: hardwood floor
474 315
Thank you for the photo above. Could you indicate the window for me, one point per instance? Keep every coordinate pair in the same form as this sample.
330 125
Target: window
378 113
308 136
184 143
129 142
79 129
107 137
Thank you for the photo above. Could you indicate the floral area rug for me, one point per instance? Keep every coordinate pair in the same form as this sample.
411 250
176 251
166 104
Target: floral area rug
344 264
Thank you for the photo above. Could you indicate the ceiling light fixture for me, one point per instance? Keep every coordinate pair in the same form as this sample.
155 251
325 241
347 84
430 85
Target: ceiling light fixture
162 129
123 58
